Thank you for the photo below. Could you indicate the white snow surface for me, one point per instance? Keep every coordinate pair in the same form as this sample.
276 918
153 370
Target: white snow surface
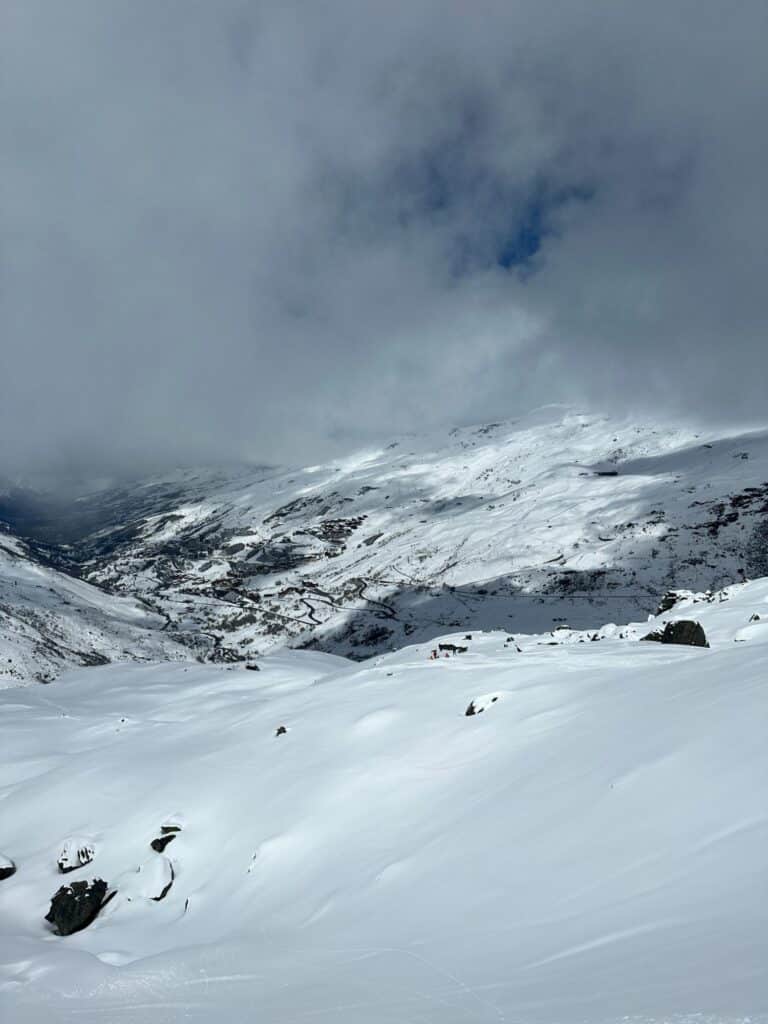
50 621
591 848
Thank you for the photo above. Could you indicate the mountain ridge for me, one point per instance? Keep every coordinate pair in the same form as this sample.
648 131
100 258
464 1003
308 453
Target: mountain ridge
520 525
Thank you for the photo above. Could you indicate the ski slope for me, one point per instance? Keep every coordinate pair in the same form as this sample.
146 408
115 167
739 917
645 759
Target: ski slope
590 847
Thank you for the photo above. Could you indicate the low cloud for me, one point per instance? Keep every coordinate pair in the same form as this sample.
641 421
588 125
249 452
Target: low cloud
276 230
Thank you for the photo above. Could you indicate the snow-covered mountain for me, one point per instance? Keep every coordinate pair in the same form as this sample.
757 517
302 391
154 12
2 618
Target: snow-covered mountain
50 620
520 525
328 841
558 517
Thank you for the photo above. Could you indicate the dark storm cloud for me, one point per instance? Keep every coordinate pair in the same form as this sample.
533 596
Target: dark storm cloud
266 229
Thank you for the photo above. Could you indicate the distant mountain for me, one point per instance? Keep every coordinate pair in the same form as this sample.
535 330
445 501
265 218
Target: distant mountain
523 525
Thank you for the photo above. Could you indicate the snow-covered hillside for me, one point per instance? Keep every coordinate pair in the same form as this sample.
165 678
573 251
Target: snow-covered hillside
50 621
589 847
520 525
556 518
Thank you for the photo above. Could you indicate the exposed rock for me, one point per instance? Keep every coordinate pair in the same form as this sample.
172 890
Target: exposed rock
162 876
75 906
479 704
75 853
655 635
684 631
150 881
281 730
166 889
452 648
668 602
7 867
159 844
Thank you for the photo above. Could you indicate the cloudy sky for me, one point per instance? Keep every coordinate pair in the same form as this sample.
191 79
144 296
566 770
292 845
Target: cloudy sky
275 229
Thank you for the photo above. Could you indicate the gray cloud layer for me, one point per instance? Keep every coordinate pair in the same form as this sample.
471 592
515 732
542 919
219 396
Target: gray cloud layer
264 229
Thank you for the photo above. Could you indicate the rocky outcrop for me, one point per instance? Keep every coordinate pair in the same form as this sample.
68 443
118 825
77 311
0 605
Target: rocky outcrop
159 844
167 834
75 906
75 853
684 631
668 602
7 867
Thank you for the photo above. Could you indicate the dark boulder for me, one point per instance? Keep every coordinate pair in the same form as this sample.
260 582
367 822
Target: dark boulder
75 906
7 867
668 602
655 635
159 844
684 631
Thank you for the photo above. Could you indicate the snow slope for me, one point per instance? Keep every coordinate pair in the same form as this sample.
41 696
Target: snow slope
518 525
590 847
50 621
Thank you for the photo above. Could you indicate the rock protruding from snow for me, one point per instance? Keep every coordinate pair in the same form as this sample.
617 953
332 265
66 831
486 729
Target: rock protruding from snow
165 875
479 704
7 867
168 833
151 880
684 631
159 844
668 602
451 649
75 906
75 853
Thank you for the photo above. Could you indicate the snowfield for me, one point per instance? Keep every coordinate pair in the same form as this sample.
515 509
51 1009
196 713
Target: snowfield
50 621
591 846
